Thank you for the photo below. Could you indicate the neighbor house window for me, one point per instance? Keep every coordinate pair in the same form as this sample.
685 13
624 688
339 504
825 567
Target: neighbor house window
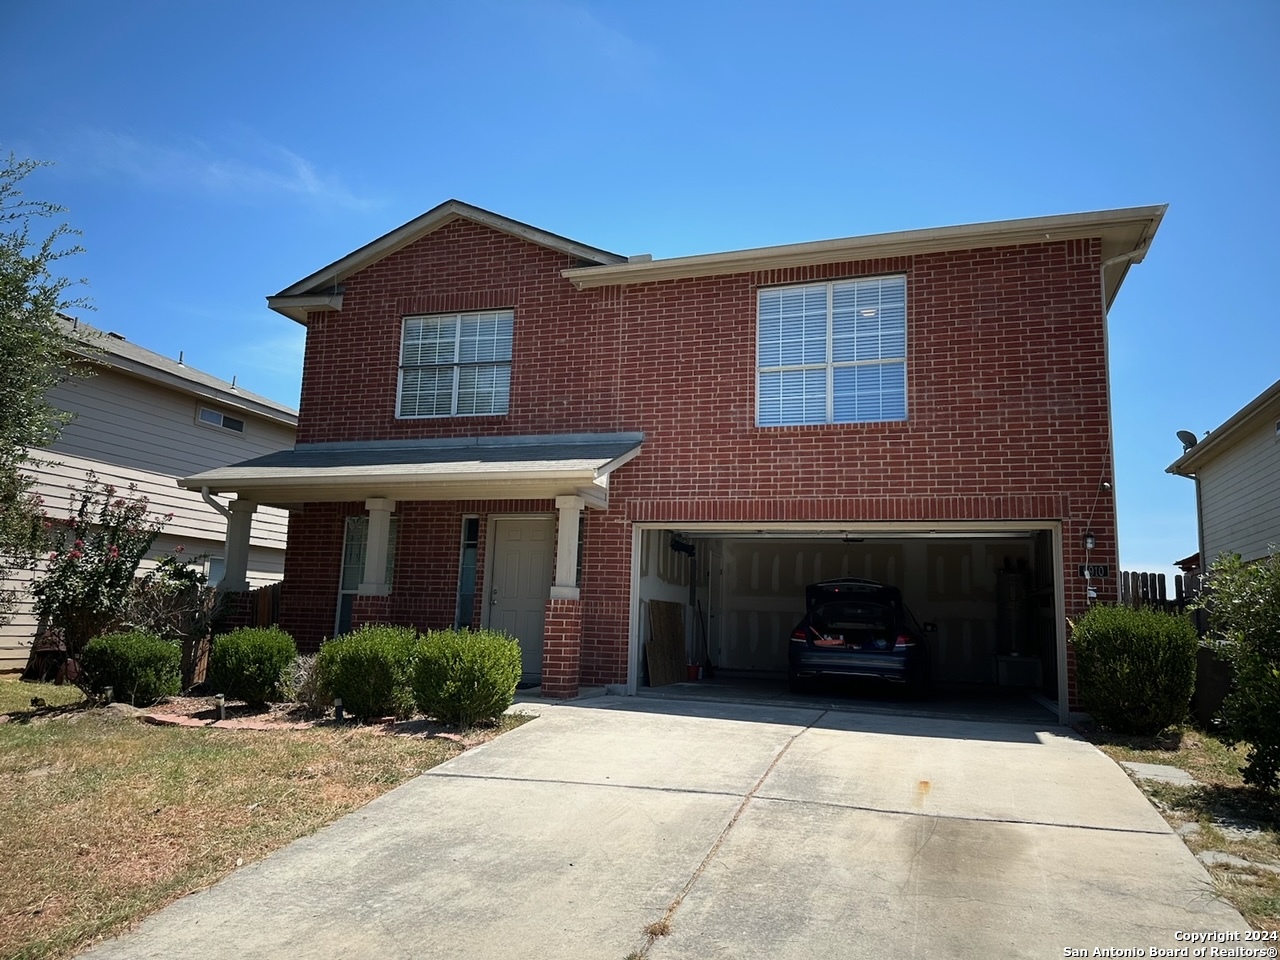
832 352
355 542
456 365
217 568
215 418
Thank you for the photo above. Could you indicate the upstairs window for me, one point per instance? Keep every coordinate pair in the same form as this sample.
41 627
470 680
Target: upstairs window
456 365
832 353
215 418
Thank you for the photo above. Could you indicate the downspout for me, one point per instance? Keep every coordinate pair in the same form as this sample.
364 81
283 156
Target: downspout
208 498
1134 256
1064 704
1204 560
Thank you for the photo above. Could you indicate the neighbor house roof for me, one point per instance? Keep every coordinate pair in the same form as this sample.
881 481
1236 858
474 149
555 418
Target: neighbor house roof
1262 408
113 350
321 290
1123 232
455 468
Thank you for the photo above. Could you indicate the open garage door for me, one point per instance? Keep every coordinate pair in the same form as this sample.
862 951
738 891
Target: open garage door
990 597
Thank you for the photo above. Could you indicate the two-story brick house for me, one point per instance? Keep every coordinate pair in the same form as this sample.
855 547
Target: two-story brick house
502 426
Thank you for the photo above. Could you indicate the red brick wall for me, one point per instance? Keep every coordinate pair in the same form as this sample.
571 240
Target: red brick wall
312 566
1007 405
424 591
562 648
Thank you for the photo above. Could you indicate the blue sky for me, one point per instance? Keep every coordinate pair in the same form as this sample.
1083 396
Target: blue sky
212 154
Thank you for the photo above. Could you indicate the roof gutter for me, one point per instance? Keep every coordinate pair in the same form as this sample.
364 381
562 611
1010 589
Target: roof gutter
1135 255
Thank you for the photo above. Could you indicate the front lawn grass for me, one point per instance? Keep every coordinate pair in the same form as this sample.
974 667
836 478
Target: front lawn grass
16 696
1218 808
104 819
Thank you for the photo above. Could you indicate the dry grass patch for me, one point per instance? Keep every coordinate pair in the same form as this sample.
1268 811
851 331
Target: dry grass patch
108 819
1228 816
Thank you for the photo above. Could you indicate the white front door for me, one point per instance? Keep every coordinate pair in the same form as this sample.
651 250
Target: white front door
520 584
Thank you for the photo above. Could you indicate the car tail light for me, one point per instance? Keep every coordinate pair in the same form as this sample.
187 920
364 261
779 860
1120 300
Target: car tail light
798 634
904 642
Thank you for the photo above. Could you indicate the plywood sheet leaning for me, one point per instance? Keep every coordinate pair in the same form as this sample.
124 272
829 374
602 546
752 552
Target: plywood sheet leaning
665 649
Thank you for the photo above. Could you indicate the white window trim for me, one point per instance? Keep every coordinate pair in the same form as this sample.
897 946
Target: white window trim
457 365
830 366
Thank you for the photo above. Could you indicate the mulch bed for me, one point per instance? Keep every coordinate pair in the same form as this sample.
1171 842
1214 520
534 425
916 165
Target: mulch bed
203 712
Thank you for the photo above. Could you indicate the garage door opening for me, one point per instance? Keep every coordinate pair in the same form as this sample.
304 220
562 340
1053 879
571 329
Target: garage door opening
987 597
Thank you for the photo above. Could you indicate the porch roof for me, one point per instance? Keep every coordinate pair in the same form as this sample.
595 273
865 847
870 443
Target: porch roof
455 468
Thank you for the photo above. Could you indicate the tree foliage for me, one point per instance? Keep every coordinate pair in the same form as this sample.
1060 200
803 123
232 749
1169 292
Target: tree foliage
1244 610
34 354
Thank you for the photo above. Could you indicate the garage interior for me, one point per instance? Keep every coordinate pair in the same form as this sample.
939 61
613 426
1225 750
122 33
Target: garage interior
989 594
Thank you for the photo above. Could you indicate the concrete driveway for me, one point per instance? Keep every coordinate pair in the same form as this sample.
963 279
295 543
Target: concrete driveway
754 831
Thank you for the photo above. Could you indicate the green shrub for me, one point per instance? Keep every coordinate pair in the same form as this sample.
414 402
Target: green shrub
464 677
139 667
370 669
1135 668
1244 611
249 663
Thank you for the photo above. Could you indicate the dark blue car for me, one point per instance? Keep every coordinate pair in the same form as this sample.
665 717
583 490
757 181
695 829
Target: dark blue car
858 628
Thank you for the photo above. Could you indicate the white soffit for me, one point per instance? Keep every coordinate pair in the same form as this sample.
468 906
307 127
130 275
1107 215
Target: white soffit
1121 231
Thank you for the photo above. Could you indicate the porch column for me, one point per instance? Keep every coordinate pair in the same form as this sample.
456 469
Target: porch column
235 576
375 583
566 582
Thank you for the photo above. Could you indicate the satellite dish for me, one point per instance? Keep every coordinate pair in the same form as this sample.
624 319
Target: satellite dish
1188 439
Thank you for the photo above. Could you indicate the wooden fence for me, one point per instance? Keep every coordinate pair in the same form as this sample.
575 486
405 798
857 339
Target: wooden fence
264 605
1151 590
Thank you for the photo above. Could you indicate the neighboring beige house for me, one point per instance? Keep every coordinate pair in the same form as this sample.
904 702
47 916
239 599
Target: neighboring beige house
148 420
1237 473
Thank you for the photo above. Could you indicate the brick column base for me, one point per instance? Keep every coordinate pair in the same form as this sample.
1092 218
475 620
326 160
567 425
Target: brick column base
562 649
366 610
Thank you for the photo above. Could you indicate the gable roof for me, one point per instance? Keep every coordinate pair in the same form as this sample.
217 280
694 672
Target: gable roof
1127 231
1262 408
320 291
113 350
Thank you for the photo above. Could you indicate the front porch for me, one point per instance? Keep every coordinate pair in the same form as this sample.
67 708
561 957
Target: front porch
432 534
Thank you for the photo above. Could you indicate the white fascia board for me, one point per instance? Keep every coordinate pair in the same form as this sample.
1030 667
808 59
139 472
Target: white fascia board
603 471
226 398
1264 406
419 227
301 307
284 484
862 528
1132 227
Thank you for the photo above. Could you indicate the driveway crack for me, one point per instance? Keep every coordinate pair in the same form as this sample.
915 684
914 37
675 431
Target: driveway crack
662 927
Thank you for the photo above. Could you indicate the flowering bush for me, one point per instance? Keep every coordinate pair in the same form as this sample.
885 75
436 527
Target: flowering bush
94 555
